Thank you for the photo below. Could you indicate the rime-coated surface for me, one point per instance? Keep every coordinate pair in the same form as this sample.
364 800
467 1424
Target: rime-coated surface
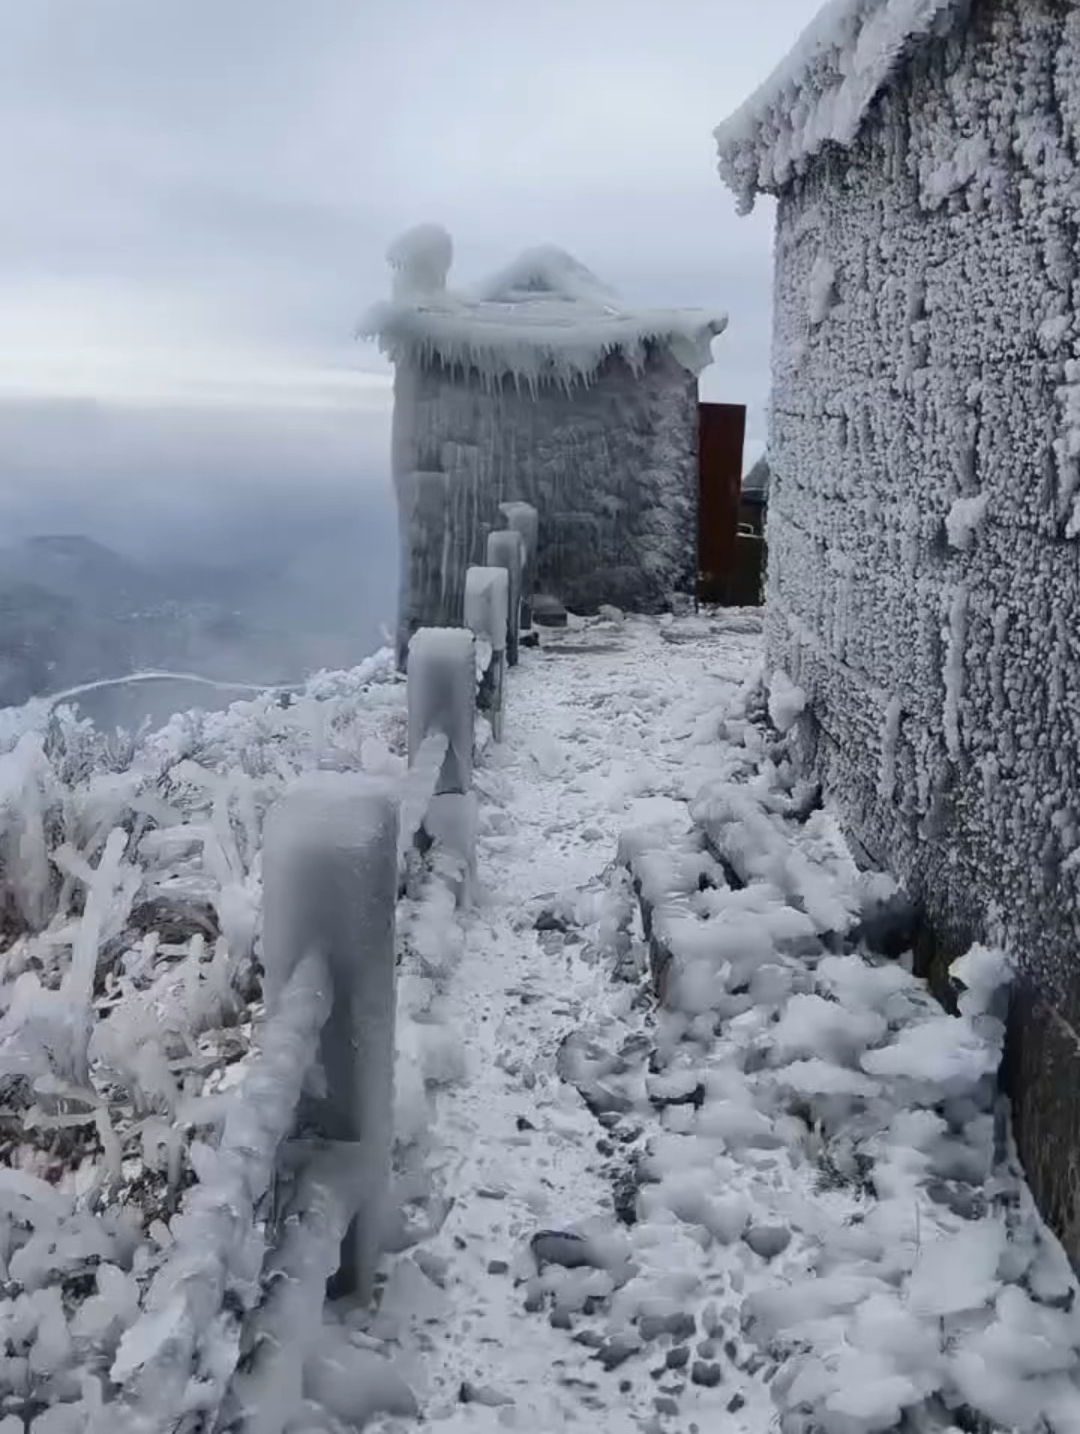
924 567
819 95
610 467
541 387
442 698
545 319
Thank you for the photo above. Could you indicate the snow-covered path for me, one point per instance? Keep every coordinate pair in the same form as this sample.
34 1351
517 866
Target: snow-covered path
788 1189
682 1143
597 740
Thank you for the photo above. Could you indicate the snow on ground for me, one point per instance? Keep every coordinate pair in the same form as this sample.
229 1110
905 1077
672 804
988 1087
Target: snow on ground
788 1190
678 1145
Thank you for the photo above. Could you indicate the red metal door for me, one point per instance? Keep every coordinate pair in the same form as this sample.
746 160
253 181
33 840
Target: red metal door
721 434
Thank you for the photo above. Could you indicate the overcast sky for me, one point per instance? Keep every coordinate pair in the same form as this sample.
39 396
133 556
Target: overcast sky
198 195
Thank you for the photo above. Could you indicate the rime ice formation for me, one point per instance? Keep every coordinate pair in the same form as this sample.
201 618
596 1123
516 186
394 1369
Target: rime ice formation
925 448
820 94
542 387
544 319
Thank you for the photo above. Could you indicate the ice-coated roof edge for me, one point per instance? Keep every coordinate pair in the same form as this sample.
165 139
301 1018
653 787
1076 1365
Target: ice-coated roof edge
545 318
821 92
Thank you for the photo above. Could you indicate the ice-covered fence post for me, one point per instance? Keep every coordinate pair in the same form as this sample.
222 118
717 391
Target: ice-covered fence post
487 607
330 875
442 698
524 519
506 549
438 533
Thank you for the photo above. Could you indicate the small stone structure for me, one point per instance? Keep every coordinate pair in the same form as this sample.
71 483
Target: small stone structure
542 387
924 516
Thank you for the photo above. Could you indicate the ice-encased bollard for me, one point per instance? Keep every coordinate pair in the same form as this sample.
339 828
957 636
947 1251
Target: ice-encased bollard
442 698
440 528
330 875
524 519
487 607
506 549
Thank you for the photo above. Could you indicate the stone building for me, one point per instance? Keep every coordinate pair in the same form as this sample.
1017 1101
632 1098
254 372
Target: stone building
542 387
924 523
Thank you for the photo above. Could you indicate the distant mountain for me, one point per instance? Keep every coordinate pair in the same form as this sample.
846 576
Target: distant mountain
73 610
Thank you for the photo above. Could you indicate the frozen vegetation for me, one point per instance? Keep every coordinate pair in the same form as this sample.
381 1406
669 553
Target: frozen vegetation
677 1134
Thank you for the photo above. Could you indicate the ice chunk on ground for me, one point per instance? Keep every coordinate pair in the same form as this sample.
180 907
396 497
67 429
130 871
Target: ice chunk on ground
958 1273
984 973
812 1026
945 1052
786 702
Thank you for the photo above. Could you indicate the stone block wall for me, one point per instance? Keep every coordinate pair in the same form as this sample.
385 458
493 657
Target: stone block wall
924 519
611 468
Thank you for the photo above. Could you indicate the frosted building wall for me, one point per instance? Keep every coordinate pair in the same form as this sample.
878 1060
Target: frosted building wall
924 518
544 388
611 468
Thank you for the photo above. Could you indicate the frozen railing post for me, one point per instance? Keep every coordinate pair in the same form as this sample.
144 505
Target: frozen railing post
523 518
442 698
330 873
442 702
437 536
506 549
487 607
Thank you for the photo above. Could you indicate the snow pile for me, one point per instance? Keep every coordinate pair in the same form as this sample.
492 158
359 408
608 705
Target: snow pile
139 1115
822 1109
786 702
821 92
546 319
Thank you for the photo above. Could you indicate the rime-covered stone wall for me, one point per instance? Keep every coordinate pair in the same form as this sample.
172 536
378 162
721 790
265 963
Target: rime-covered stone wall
609 464
924 524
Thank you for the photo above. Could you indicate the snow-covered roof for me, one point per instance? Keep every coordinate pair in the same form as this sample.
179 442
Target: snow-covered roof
821 93
544 319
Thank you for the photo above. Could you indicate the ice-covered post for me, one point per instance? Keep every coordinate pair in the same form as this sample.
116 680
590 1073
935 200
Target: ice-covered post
442 698
487 607
427 577
330 885
506 549
523 518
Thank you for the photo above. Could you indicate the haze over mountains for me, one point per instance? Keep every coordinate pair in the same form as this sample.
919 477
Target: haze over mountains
252 543
73 610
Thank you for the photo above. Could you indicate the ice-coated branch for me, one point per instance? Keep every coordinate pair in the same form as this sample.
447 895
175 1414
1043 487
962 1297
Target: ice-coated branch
506 549
442 698
523 518
487 607
330 872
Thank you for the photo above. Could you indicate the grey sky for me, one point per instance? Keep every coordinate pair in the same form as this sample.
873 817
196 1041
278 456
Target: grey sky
199 194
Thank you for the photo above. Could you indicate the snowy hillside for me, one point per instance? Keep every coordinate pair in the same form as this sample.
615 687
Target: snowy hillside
679 1136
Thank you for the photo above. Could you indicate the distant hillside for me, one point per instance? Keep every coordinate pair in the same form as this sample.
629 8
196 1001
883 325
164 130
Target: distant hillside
72 610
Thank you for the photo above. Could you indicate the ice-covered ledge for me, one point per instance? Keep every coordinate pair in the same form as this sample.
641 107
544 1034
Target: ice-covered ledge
820 93
544 319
